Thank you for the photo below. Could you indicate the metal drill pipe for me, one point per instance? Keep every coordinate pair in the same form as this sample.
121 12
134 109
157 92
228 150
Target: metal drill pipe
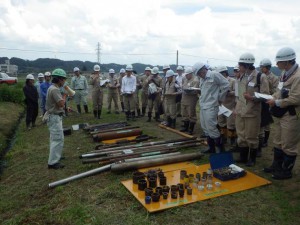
106 126
142 144
117 134
114 129
79 176
154 162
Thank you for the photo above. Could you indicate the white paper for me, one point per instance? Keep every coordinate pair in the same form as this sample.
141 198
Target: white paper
75 127
264 96
193 88
223 110
236 89
102 82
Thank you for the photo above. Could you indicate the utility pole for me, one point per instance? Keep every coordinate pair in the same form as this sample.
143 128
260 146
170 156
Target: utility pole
98 50
177 58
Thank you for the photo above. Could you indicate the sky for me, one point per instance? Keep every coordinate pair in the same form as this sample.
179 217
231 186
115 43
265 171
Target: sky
151 32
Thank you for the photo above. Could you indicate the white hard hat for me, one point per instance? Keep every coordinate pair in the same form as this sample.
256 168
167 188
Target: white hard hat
122 70
147 68
29 77
236 68
247 58
129 67
188 70
198 66
166 67
179 68
154 70
221 69
77 69
41 75
47 74
285 54
111 71
96 68
265 62
170 73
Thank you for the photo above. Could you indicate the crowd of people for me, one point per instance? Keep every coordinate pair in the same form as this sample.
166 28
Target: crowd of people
174 95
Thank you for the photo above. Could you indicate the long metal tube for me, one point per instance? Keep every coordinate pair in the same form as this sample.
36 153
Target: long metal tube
151 157
117 134
113 129
79 176
101 148
154 162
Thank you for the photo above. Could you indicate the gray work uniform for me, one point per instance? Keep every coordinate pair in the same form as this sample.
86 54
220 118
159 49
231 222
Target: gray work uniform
189 99
97 92
248 113
128 92
170 99
80 86
287 128
55 124
113 92
179 79
214 88
154 99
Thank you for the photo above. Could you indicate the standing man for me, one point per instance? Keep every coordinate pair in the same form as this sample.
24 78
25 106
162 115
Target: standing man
112 92
55 107
248 108
227 124
128 90
214 88
97 91
122 74
166 67
38 85
31 100
154 87
44 88
144 84
287 124
189 101
80 85
179 78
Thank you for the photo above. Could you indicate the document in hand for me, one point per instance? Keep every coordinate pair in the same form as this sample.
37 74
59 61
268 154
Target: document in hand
264 96
223 110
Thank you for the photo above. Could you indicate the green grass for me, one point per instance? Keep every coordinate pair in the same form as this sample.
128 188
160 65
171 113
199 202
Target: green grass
102 199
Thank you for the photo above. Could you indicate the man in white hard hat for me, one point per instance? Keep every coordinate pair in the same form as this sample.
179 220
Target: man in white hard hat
112 91
179 78
214 88
189 101
80 85
121 75
165 68
38 85
44 88
31 100
248 108
145 85
227 124
128 91
285 107
154 87
265 67
97 92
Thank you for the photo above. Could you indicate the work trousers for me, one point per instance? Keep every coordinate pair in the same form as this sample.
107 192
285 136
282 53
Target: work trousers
137 99
32 111
247 129
188 112
97 98
170 109
129 102
113 97
209 121
154 102
287 134
144 98
80 96
56 138
228 122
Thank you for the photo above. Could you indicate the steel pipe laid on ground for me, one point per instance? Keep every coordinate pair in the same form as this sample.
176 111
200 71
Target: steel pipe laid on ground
154 162
114 129
78 176
117 134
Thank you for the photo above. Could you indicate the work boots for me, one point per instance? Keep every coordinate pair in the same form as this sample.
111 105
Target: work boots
149 117
133 116
260 144
78 109
127 115
98 113
191 129
86 110
219 145
169 122
157 117
138 112
252 158
244 151
285 172
122 106
277 161
211 146
173 123
185 126
95 113
266 138
143 111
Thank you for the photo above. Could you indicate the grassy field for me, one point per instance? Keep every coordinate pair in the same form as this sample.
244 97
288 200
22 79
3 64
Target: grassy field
102 199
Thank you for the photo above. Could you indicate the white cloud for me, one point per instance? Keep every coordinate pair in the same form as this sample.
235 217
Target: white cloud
215 31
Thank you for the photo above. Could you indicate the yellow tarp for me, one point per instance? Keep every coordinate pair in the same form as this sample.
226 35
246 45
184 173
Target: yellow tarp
172 172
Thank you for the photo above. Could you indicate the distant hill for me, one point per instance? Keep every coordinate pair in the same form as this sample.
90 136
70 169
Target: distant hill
47 64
